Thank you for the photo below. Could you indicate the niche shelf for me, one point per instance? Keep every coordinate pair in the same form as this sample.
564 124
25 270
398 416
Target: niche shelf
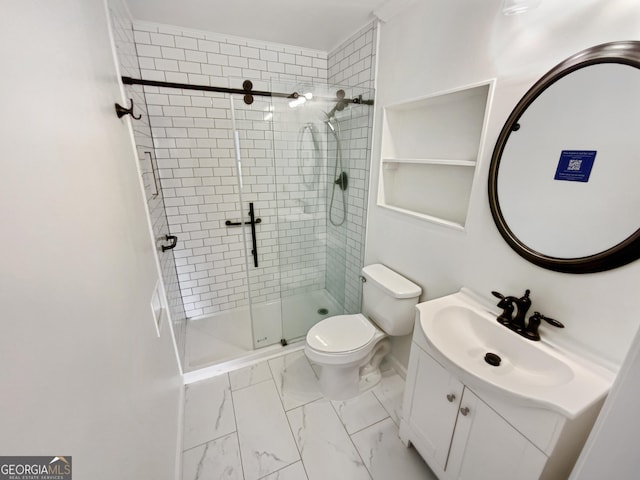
430 147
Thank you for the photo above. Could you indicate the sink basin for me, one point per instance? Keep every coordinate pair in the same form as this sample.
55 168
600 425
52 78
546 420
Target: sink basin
461 329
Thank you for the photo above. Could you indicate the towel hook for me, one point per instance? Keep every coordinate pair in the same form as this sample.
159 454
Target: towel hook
121 111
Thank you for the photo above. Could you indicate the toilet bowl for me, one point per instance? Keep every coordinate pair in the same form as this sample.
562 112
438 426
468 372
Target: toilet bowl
348 349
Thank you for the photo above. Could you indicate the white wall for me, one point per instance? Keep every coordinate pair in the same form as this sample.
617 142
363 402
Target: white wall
612 448
122 27
444 44
82 371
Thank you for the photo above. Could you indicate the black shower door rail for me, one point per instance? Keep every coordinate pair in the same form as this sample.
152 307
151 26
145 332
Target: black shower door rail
247 90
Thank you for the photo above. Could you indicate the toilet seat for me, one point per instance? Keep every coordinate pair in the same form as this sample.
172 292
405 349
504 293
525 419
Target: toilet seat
342 334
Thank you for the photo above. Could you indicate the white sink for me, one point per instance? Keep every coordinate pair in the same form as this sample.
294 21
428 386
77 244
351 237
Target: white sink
463 330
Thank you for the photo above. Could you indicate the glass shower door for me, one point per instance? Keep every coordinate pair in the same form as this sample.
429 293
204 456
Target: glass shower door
303 182
322 164
254 152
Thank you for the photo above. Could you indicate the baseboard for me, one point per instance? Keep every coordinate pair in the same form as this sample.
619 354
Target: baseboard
397 365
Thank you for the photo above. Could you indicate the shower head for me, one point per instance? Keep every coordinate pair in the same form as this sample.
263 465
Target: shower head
340 104
328 122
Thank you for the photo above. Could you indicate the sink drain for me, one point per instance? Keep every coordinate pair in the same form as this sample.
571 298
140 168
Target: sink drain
492 359
322 311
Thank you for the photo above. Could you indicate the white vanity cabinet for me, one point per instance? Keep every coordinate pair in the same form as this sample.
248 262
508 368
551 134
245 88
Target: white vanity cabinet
458 435
465 433
436 401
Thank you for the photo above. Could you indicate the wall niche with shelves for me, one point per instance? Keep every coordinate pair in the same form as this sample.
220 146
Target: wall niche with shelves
430 148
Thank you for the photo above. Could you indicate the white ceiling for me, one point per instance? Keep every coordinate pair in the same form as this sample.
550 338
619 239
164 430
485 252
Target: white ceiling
316 24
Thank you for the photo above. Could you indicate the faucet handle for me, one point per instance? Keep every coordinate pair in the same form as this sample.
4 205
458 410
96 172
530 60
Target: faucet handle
531 331
506 303
550 321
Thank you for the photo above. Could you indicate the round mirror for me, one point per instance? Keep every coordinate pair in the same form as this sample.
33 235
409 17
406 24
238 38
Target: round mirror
563 178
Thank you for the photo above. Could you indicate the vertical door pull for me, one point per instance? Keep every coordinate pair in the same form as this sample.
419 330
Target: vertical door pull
252 221
155 176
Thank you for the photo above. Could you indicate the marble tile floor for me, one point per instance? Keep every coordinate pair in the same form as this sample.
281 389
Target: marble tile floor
269 421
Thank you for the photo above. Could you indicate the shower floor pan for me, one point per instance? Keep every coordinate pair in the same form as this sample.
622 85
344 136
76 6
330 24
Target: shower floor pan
225 336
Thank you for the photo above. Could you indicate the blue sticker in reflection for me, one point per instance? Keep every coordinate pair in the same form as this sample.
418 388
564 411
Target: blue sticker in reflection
575 165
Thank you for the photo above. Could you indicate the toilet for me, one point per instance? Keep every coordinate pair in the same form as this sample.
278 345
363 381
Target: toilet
348 349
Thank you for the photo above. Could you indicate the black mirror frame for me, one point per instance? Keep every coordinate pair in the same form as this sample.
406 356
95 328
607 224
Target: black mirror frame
624 52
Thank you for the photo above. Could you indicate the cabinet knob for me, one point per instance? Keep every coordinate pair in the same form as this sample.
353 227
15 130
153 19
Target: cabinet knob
464 411
451 397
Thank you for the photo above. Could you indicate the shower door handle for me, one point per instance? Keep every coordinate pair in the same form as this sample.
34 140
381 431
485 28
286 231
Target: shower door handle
173 242
252 221
229 223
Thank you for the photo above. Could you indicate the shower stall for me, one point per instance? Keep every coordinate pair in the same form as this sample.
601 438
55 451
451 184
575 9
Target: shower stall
266 194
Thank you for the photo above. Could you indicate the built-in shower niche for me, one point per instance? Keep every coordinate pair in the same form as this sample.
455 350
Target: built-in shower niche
430 148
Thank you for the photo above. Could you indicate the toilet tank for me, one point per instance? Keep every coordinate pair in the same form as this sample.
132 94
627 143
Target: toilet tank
389 299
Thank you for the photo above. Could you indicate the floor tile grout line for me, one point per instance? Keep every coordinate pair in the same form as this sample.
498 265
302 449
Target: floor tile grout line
235 421
304 467
281 396
287 417
240 454
285 414
251 385
209 441
372 425
280 469
351 440
273 379
386 409
219 436
379 403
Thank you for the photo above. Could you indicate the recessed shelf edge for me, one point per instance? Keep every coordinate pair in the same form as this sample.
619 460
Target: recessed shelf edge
431 161
422 216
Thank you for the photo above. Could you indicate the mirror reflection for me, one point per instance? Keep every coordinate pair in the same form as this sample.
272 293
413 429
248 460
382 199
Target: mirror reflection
563 177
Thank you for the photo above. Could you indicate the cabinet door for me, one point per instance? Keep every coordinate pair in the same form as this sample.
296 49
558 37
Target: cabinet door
486 447
434 406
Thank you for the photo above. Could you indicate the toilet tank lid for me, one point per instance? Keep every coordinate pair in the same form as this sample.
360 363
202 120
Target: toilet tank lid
392 283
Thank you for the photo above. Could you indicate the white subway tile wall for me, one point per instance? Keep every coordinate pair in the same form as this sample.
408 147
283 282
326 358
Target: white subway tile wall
284 175
193 133
128 62
301 178
352 64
